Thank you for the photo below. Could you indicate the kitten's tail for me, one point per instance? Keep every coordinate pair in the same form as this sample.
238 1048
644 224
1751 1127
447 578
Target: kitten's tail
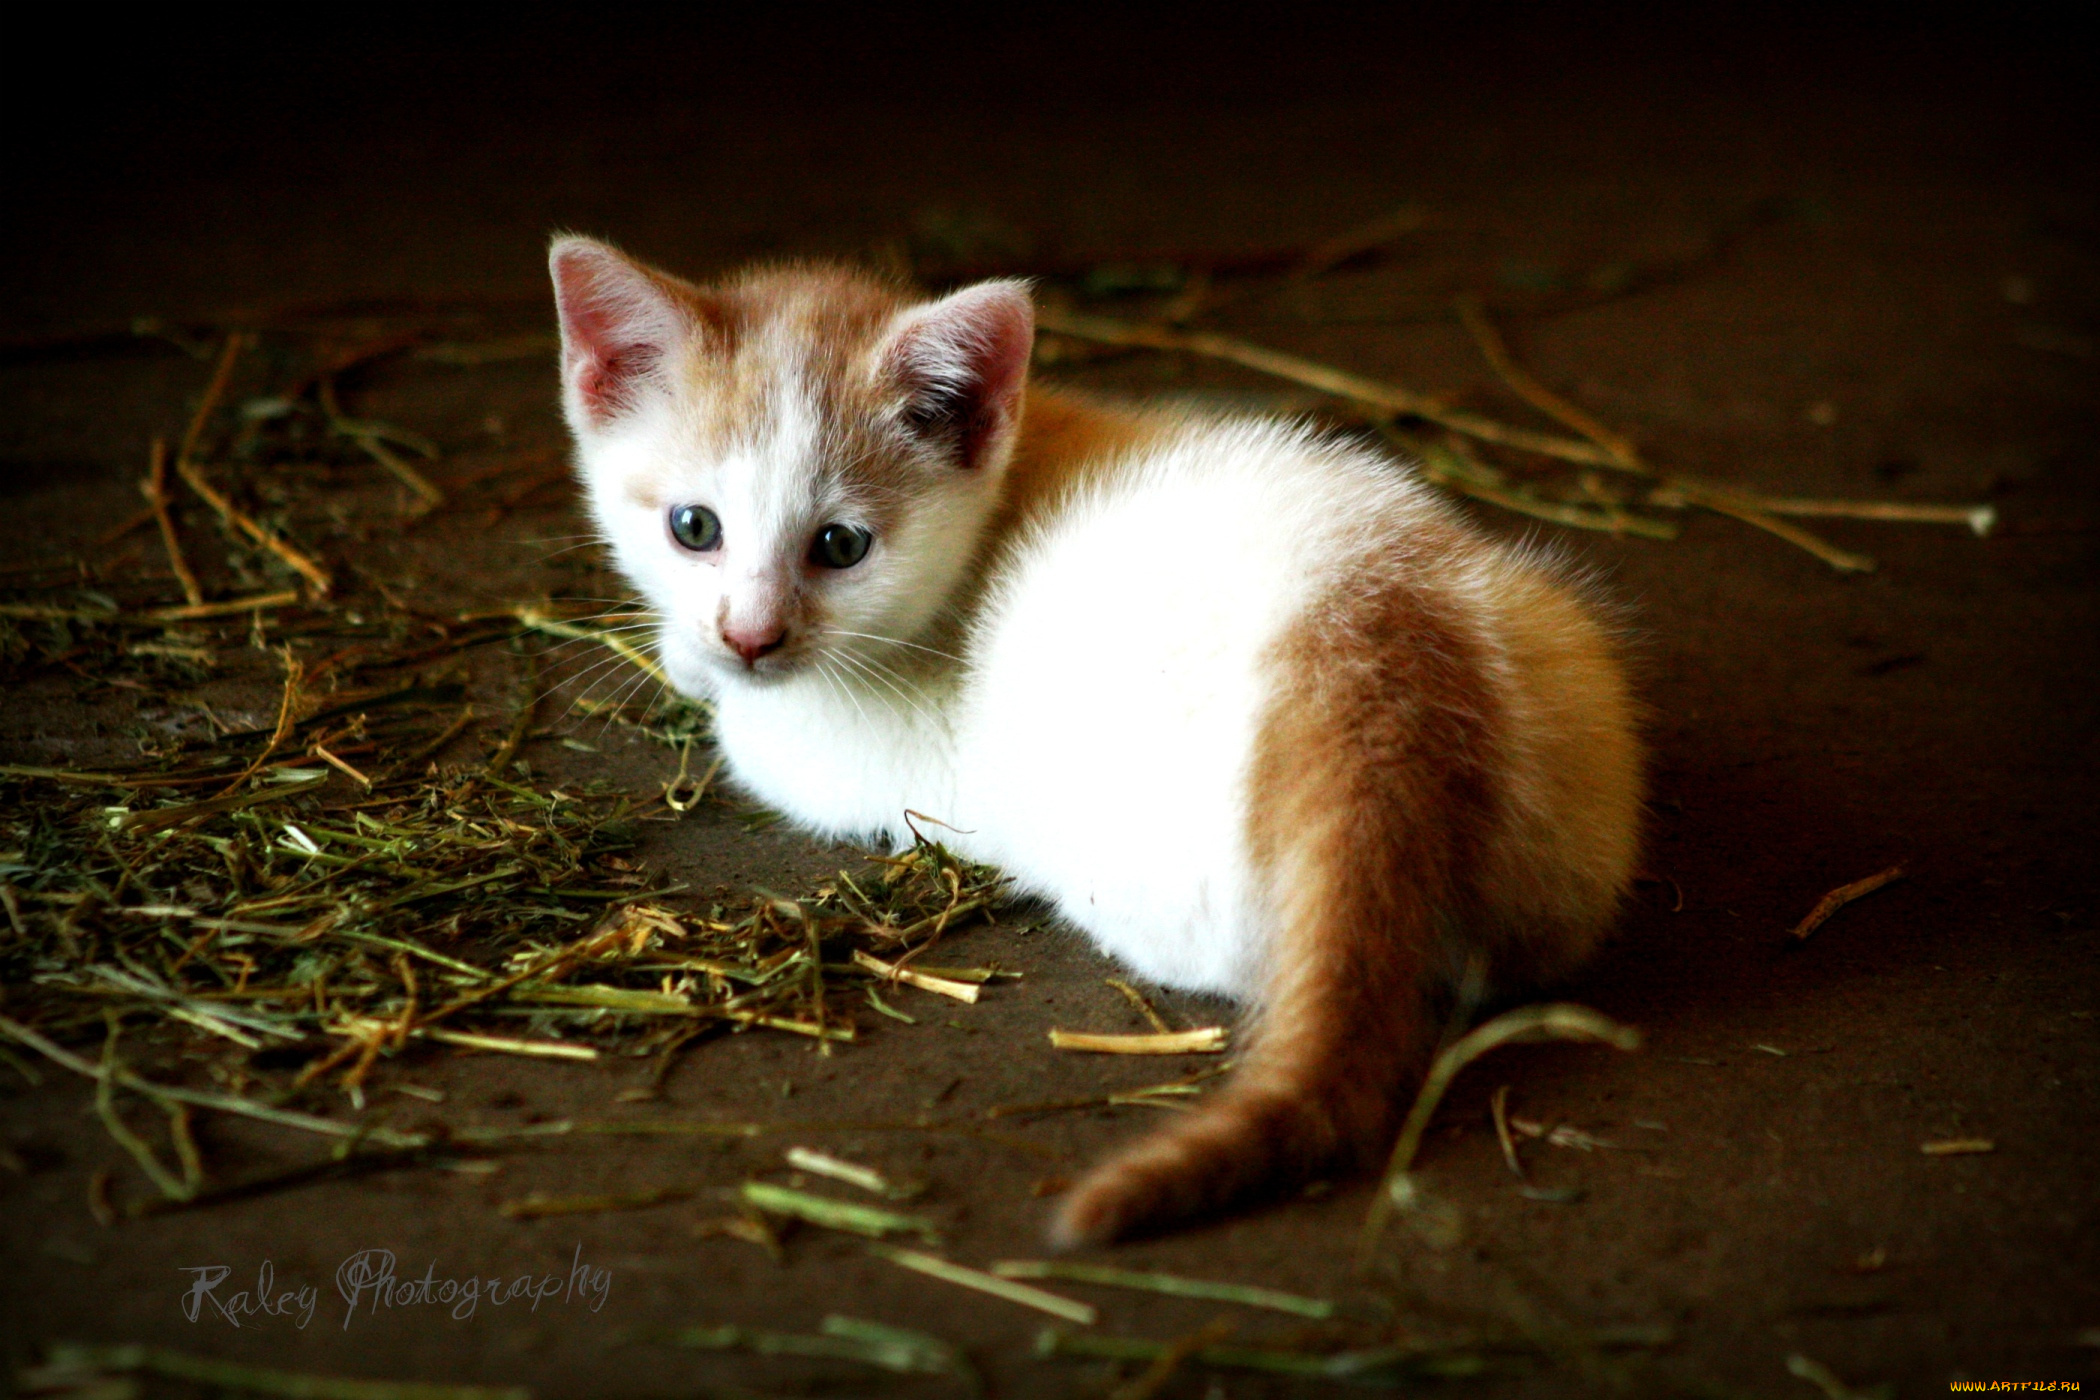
1301 1104
1361 809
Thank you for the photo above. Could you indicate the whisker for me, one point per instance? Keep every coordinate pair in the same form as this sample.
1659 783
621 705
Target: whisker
597 669
598 674
840 686
900 677
641 679
893 641
582 543
866 667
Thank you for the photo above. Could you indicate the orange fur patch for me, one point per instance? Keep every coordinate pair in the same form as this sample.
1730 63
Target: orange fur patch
1447 769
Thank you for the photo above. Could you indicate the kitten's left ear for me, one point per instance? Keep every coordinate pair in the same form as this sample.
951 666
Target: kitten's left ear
962 362
619 322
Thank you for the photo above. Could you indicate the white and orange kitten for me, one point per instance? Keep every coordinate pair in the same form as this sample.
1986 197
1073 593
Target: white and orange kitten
1248 704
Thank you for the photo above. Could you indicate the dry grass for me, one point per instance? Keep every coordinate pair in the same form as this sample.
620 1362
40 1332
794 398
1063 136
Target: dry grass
304 898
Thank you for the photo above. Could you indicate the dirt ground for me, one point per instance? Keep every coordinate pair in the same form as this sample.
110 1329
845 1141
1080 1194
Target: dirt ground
1888 287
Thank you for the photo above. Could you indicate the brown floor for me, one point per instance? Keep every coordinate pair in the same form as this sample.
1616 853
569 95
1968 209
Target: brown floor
1911 315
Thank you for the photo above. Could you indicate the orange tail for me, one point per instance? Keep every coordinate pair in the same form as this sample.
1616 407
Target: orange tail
1302 1103
1372 788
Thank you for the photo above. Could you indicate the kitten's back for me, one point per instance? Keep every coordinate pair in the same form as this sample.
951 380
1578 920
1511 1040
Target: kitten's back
1376 745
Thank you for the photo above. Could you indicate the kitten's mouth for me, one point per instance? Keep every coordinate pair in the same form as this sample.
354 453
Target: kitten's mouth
773 666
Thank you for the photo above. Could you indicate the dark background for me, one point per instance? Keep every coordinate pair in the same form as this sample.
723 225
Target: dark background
1906 307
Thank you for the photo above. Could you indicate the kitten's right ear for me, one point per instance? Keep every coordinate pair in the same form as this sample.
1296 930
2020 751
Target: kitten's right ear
962 362
619 322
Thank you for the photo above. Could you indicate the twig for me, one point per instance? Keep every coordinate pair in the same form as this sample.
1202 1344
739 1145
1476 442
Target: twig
363 435
431 747
269 539
1843 895
1171 1284
13 905
339 1164
1809 1369
186 466
321 752
1070 1309
1144 1008
808 1159
1980 519
1152 1095
223 1103
520 727
1499 1107
287 720
1527 387
214 390
1452 466
539 1207
1208 1040
1389 397
1153 1379
1741 505
170 1186
1331 253
104 540
156 488
1752 510
509 1045
842 1339
1554 1021
679 784
961 991
1385 1366
185 1145
850 1216
161 818
99 1204
549 968
154 616
197 612
1392 398
84 1361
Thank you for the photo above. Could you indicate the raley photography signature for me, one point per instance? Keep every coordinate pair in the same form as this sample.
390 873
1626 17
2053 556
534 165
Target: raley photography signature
370 1280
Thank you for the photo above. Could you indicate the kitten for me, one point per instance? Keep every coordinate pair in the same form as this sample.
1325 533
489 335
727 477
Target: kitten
1255 709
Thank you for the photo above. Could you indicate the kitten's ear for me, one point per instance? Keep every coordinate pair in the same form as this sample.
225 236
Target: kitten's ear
963 361
619 322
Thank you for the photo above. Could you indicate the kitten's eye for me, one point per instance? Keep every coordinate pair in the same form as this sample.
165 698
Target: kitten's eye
696 527
840 546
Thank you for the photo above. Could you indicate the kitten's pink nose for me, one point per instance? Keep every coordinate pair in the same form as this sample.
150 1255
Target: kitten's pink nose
753 642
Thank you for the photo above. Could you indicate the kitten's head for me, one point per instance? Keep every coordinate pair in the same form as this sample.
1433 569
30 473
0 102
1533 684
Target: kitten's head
789 464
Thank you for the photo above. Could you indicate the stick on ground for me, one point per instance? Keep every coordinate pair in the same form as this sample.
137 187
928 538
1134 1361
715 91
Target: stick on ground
1070 1309
1534 392
186 466
1144 1008
156 488
1843 895
83 1362
1171 1284
960 991
1208 1040
1389 397
1554 1021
